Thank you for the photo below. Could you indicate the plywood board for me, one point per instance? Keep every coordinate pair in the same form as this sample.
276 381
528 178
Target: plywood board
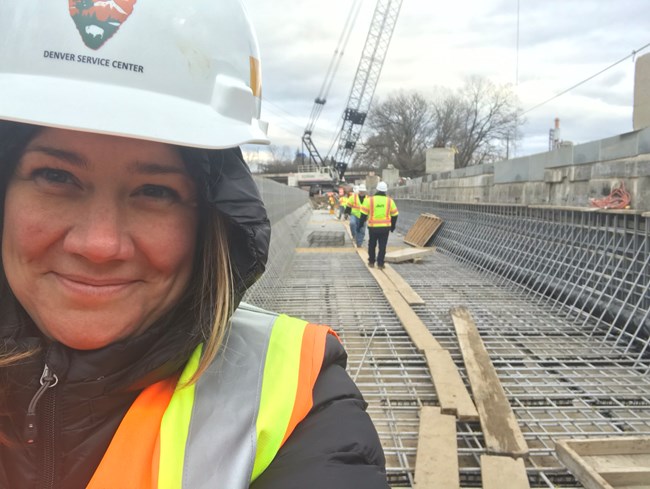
436 461
498 422
450 389
608 463
503 472
398 283
403 287
423 230
407 254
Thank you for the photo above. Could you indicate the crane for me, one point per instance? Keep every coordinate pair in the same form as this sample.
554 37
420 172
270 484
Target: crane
363 87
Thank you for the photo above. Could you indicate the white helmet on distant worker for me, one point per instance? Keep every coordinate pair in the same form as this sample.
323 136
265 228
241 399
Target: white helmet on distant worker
382 187
362 187
355 189
186 73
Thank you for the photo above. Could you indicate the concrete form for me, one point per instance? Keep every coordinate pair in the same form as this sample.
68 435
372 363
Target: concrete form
567 176
641 115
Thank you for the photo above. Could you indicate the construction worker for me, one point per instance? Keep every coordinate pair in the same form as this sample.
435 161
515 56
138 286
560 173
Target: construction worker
131 229
357 227
381 213
343 200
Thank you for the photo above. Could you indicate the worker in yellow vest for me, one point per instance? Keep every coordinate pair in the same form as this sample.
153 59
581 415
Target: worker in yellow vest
131 227
343 200
381 213
357 226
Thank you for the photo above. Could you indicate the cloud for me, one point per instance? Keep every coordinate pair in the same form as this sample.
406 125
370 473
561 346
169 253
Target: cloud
561 42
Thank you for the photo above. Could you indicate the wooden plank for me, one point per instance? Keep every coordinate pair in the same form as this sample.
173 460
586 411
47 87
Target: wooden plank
613 445
579 468
406 254
498 422
423 229
398 283
627 476
338 249
450 389
503 472
608 462
406 291
444 374
436 461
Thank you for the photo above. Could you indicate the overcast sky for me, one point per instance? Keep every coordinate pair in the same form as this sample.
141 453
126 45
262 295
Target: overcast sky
437 43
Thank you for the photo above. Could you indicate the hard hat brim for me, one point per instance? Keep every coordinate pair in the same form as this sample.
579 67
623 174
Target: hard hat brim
119 111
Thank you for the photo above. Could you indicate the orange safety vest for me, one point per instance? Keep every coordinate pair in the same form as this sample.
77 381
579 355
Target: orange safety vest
379 210
153 445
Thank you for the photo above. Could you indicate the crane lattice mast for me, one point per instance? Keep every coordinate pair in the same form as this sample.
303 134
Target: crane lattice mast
365 81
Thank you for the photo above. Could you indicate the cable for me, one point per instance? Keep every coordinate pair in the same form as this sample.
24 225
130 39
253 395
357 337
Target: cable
632 54
335 62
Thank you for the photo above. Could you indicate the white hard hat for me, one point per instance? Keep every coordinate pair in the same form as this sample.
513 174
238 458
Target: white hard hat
362 187
355 189
382 187
186 73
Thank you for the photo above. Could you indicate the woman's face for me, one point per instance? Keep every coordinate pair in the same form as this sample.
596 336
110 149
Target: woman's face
99 235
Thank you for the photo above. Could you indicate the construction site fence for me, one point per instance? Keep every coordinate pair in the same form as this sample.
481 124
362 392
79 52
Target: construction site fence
592 265
288 209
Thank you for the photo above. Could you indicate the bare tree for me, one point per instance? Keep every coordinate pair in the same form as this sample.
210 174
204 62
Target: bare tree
479 121
282 160
402 129
488 121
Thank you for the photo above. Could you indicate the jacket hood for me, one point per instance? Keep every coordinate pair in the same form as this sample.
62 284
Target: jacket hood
230 188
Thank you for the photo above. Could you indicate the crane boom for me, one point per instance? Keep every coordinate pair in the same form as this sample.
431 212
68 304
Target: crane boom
365 81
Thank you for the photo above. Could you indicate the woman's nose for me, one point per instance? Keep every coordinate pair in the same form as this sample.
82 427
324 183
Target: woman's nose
99 233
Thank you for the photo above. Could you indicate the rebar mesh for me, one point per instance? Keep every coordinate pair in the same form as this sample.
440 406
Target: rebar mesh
565 372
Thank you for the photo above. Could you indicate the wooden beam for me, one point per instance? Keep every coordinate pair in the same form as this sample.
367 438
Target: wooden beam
405 290
337 249
436 461
450 388
498 422
398 283
406 254
452 393
607 462
503 472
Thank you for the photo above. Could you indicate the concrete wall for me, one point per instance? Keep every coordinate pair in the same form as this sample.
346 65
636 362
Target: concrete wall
567 176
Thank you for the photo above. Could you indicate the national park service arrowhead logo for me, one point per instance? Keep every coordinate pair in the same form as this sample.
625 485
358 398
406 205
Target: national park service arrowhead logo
98 20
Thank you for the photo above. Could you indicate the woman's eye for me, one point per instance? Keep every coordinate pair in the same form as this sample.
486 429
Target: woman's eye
159 192
52 175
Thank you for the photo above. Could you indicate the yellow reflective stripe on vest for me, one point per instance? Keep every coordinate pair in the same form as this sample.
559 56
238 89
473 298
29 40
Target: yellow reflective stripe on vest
379 219
280 358
279 384
175 427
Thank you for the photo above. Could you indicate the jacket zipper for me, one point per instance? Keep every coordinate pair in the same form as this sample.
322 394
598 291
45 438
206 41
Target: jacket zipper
48 380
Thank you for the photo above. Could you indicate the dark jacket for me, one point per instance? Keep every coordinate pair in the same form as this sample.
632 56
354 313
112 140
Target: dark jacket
335 446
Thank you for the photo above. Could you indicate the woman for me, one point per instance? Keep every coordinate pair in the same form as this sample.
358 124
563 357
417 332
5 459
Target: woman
131 227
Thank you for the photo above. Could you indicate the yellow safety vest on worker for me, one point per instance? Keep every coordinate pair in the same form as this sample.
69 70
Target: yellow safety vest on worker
225 429
355 205
343 201
379 209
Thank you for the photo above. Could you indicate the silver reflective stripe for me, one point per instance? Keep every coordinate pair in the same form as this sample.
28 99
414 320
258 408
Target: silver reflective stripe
226 404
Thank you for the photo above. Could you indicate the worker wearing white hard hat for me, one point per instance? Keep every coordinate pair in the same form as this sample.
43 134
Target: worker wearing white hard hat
131 228
380 211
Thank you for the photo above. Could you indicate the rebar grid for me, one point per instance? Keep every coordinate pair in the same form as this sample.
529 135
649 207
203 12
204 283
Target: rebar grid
564 375
589 265
562 381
